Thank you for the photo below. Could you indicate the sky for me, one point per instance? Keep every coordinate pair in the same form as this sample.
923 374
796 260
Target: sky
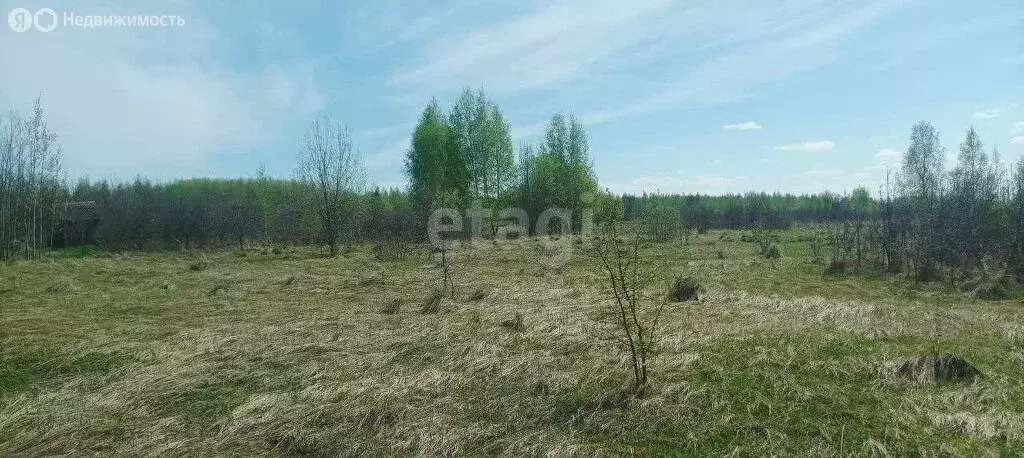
690 96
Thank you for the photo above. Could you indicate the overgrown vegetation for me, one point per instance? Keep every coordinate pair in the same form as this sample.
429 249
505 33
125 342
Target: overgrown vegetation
775 360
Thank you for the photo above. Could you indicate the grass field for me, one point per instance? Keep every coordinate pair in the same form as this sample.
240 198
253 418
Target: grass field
286 352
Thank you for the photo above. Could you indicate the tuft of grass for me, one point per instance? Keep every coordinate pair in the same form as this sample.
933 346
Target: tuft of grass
515 323
392 307
199 263
433 303
478 295
62 285
686 289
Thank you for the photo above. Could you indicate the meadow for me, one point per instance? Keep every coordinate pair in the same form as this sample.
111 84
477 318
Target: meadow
286 351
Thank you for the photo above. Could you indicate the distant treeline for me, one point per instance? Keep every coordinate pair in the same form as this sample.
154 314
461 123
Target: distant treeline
207 213
927 217
744 211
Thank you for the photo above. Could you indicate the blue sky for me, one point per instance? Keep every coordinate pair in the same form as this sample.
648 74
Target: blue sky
697 96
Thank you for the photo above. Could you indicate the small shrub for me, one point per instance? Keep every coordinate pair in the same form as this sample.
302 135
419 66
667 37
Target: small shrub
836 267
993 286
277 250
288 281
720 254
391 250
515 323
391 307
686 289
773 252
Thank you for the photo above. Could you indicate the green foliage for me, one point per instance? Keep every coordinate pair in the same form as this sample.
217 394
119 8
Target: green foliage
436 165
558 174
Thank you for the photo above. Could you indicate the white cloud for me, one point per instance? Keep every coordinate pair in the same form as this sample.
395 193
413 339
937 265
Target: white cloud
1018 127
522 132
387 131
820 173
808 147
555 43
389 156
717 162
749 125
888 157
988 114
703 184
149 100
549 45
1018 140
1012 60
800 36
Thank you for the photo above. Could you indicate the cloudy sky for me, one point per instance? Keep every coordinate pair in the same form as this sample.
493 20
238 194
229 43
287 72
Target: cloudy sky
688 96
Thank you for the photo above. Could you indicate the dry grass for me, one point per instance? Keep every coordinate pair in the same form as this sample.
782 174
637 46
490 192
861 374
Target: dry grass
776 360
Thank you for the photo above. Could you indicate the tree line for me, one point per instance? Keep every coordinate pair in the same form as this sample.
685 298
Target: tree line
753 209
964 220
926 217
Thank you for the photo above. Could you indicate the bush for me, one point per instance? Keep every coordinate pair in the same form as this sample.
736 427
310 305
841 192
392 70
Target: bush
391 250
773 252
990 285
686 289
836 267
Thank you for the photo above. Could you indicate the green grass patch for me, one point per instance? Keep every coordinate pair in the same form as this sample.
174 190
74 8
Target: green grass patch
22 371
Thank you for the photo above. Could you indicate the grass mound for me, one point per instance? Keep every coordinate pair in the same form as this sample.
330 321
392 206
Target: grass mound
477 295
940 368
61 286
686 289
774 251
515 323
433 302
199 264
988 285
391 307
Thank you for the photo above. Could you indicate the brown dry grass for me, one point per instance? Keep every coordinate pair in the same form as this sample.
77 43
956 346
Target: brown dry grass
138 359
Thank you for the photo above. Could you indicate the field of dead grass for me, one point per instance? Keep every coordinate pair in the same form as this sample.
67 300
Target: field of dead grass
292 353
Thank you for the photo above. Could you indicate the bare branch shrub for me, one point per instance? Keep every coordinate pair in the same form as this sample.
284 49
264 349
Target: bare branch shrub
628 273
